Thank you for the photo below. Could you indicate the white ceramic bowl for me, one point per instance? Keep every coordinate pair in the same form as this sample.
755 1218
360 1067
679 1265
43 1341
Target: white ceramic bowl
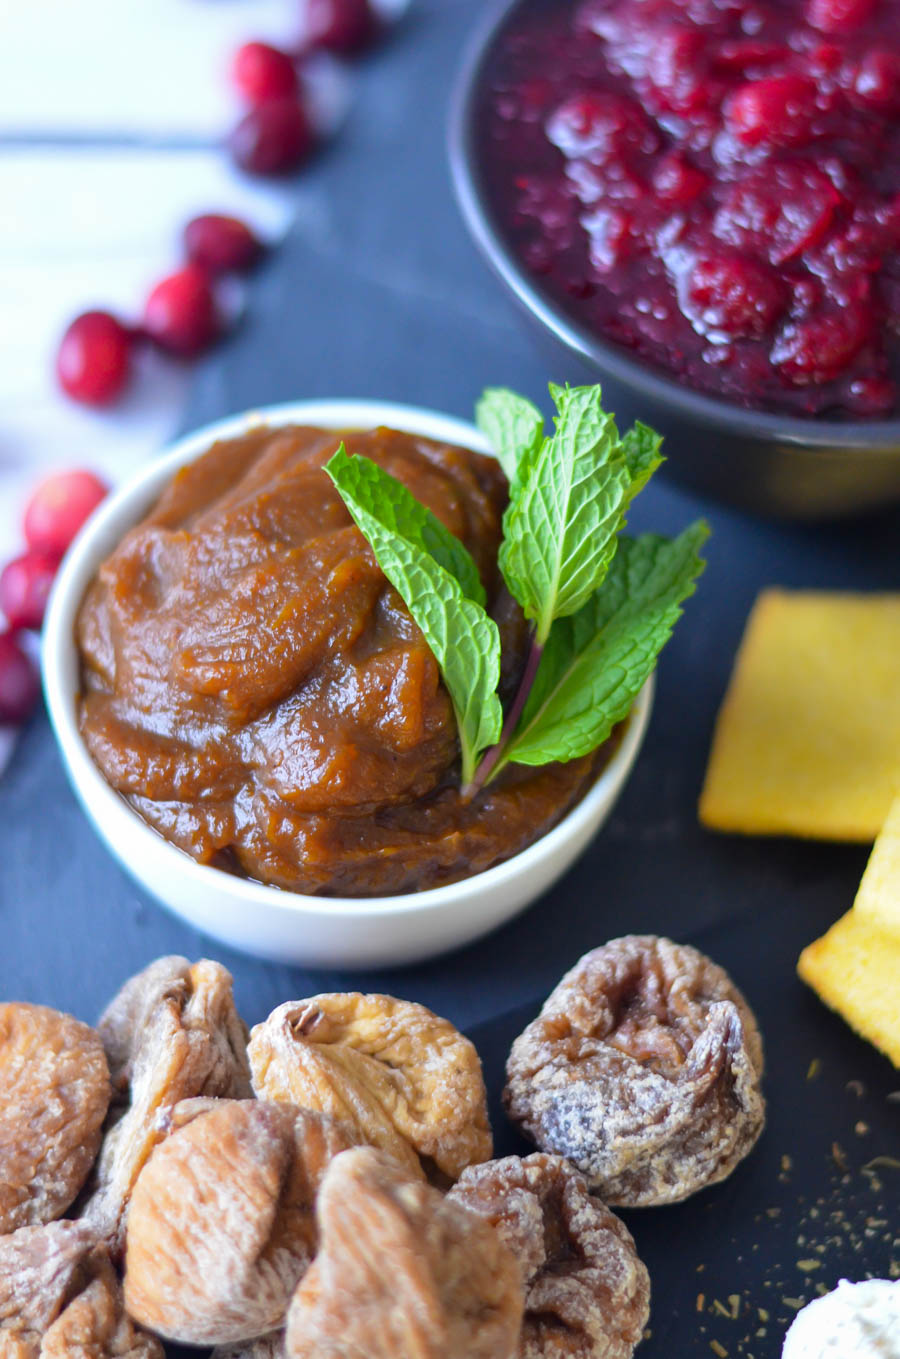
314 931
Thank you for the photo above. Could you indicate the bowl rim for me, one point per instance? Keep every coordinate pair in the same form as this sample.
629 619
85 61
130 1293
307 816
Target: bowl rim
105 806
811 431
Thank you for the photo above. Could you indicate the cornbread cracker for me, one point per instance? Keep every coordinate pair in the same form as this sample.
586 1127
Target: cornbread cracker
855 967
808 739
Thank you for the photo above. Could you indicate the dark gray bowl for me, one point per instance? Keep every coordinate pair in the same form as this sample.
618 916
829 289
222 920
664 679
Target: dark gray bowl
771 464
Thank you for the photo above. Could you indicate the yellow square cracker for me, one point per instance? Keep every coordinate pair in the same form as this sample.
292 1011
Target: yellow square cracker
807 741
855 967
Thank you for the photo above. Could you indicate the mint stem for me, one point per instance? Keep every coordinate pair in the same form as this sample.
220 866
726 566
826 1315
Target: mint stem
490 759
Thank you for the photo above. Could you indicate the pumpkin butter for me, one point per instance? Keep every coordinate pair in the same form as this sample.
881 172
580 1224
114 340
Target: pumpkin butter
259 693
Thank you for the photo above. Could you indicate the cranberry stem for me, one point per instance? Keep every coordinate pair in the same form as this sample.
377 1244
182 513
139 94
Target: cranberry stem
488 763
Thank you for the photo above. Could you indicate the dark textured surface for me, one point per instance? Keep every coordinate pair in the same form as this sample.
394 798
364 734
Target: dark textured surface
380 293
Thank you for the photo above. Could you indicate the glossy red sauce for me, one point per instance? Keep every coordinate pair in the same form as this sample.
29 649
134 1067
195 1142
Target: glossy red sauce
712 184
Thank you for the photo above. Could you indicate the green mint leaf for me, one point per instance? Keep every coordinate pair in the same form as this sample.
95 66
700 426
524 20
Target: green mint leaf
400 512
641 447
597 660
513 427
561 525
464 639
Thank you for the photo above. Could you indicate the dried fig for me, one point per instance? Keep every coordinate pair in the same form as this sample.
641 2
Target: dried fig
54 1094
94 1323
39 1270
60 1298
221 1224
406 1080
643 1068
587 1294
402 1271
171 1033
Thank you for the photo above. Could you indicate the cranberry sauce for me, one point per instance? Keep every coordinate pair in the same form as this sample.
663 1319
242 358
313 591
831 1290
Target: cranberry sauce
713 185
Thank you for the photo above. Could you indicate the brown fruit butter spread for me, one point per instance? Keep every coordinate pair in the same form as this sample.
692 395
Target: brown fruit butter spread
258 692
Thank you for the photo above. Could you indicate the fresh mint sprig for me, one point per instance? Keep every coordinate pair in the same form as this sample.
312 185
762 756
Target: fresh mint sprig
601 605
440 585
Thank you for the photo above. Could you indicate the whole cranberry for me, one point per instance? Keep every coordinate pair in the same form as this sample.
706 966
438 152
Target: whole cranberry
342 26
272 139
774 111
877 83
778 211
677 69
838 16
93 361
677 181
221 245
24 586
19 684
823 347
261 72
596 126
58 508
181 313
731 294
872 396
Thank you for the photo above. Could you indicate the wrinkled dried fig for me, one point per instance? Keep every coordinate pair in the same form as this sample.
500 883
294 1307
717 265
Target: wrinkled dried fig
643 1068
587 1293
401 1271
221 1224
54 1094
94 1324
39 1270
171 1033
404 1079
60 1298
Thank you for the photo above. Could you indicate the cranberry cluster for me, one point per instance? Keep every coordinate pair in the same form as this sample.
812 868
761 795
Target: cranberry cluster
53 515
714 184
182 315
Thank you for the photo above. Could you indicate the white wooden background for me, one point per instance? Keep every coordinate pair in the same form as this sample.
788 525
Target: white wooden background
111 115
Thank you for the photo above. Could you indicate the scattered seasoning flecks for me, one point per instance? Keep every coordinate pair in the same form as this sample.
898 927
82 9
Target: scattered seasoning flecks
813 1069
718 1349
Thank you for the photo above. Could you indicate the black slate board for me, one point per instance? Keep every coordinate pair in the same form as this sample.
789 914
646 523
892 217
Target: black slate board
730 1266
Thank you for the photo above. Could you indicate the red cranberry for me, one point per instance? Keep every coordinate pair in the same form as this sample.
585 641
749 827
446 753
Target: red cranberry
221 245
775 111
730 294
58 508
19 684
821 348
677 181
597 127
877 83
838 16
343 26
677 69
739 53
93 362
181 313
261 73
779 210
272 139
24 586
872 396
